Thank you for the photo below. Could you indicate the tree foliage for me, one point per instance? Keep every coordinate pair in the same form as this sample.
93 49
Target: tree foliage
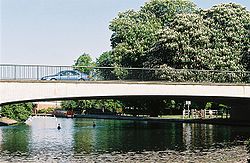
176 35
135 32
84 63
214 39
230 41
93 106
166 10
182 43
19 112
106 60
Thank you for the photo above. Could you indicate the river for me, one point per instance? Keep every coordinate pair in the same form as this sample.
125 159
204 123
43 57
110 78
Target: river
113 140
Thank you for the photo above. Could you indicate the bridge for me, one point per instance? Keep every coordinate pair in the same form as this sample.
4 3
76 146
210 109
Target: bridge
236 95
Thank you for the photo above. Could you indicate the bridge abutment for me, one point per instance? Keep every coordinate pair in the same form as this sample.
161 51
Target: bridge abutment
240 110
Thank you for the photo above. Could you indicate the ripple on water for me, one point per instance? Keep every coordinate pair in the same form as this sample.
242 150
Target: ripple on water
114 141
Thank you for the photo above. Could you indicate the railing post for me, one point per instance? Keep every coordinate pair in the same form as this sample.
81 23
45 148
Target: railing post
60 69
142 75
15 72
37 72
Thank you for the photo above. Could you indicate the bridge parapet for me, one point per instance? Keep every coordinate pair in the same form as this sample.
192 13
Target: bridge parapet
36 72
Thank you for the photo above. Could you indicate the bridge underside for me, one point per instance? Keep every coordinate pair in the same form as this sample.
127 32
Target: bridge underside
240 107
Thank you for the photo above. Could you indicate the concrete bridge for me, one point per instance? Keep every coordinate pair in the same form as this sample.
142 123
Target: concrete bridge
235 95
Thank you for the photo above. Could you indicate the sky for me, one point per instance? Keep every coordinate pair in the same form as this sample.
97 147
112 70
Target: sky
57 32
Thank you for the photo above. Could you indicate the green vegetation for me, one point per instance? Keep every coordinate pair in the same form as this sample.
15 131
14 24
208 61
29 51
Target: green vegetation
19 112
214 39
106 60
45 111
176 35
93 106
86 62
135 32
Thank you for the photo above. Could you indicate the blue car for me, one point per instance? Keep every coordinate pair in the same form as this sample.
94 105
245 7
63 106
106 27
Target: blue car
67 75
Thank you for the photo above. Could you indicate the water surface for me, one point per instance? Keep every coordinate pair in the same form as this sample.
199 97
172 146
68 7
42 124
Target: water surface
78 138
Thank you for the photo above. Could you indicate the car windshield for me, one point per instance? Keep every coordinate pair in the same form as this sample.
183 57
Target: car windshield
74 73
67 73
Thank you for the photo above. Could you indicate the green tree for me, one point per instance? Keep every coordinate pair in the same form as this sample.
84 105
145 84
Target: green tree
135 32
230 41
106 59
19 112
166 10
174 34
79 106
69 104
214 39
181 44
84 63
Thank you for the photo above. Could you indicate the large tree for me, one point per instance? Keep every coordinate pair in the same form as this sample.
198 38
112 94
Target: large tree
174 34
214 39
230 41
135 32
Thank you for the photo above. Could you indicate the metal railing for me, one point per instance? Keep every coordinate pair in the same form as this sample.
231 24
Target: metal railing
36 72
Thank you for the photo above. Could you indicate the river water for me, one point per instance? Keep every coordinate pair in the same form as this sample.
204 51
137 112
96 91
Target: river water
78 139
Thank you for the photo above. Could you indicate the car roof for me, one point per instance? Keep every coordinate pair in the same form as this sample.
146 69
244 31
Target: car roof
69 71
73 71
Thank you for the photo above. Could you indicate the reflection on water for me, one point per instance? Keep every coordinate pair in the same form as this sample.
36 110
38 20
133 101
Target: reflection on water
15 139
79 137
199 136
46 138
124 136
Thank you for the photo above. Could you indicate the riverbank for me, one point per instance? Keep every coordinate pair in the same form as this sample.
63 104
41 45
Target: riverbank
6 121
165 120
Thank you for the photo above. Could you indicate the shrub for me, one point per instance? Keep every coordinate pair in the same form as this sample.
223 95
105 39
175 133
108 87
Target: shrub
19 112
